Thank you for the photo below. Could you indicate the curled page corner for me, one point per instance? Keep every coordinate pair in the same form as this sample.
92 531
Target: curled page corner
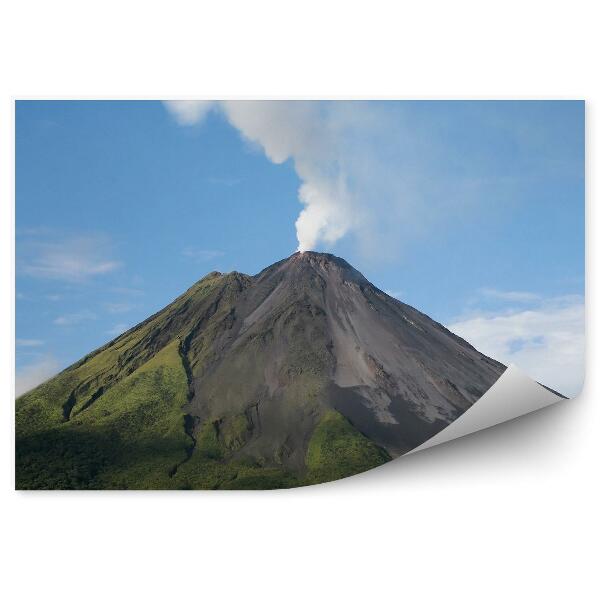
513 395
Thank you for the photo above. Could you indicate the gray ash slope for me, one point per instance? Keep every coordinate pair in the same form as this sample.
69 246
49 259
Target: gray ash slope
309 334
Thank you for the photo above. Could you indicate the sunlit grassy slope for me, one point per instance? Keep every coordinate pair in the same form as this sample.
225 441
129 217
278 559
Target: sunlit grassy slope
338 450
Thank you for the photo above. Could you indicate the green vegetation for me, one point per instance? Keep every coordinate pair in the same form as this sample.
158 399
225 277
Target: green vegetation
130 437
212 465
235 432
201 473
207 443
338 450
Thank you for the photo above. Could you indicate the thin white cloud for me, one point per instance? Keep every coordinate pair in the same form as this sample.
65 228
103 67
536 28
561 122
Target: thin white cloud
71 259
32 375
42 230
118 329
28 343
201 255
118 307
546 341
510 296
189 112
127 291
75 318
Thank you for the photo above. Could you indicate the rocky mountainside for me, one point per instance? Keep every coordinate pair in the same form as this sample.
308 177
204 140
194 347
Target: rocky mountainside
300 374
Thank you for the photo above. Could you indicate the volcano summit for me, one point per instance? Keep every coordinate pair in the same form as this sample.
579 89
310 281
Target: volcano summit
300 374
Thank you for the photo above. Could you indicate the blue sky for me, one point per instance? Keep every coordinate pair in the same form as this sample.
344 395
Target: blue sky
472 212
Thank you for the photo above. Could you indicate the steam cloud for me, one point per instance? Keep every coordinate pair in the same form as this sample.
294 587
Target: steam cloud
314 136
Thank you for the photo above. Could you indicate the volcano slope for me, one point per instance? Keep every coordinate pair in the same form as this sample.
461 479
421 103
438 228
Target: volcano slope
301 374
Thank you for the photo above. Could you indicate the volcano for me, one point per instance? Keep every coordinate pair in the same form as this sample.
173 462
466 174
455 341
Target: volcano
303 373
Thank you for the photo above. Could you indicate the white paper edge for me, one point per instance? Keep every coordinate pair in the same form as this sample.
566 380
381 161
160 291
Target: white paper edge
513 395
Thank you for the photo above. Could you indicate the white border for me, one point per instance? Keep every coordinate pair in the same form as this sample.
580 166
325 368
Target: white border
510 512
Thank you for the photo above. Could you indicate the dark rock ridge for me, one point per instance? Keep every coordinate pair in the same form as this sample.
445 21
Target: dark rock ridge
265 358
395 373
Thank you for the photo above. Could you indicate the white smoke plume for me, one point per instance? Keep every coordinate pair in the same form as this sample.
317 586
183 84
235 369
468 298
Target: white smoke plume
314 136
